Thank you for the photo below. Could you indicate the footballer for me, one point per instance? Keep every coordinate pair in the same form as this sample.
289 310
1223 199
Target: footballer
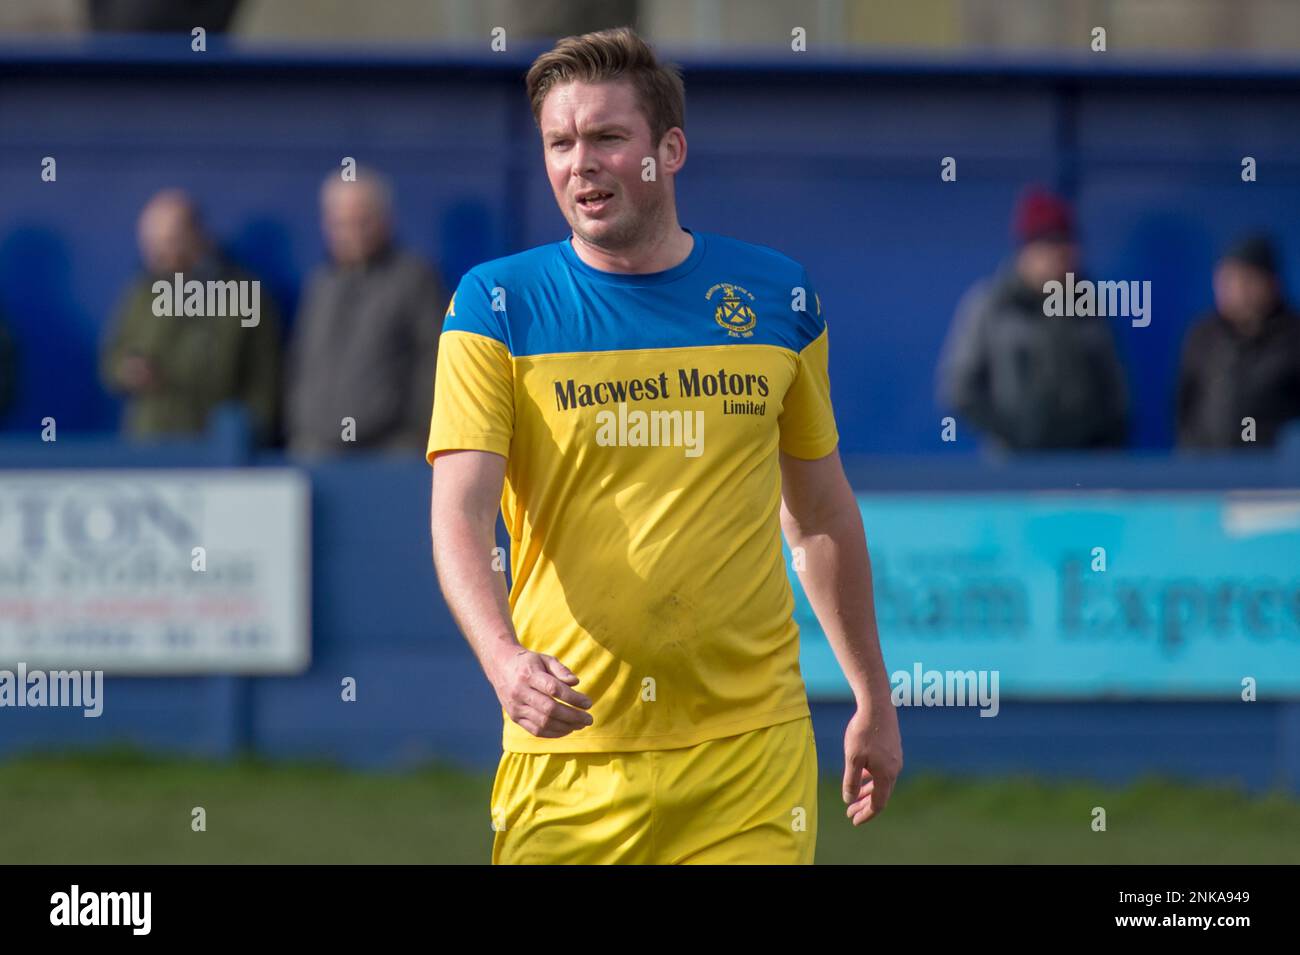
648 407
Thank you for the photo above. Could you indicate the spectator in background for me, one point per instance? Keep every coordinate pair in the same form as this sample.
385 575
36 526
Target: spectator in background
1243 359
160 16
365 343
174 369
1029 380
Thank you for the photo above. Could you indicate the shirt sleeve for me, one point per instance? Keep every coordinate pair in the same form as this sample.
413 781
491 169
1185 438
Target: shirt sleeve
807 419
474 398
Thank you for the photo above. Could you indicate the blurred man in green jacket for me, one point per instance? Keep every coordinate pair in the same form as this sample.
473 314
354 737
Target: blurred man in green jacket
191 333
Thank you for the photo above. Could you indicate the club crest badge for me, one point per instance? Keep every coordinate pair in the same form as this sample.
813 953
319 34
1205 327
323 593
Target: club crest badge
732 309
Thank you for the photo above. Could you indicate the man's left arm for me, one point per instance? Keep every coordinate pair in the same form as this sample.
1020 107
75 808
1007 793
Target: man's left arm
259 375
821 520
1112 425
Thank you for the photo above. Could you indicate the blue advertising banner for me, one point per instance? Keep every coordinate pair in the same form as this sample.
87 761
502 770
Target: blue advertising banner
1081 594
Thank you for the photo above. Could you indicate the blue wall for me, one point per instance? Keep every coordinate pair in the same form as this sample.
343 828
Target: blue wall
833 162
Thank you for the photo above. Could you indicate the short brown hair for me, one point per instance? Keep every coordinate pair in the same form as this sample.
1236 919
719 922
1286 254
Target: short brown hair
617 54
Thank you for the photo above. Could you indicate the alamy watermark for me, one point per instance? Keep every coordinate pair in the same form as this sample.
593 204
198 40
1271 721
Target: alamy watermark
1088 299
75 907
70 688
651 429
921 687
214 298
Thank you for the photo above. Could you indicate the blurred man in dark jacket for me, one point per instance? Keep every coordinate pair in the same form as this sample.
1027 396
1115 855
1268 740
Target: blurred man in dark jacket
177 353
365 344
1032 381
1243 359
8 370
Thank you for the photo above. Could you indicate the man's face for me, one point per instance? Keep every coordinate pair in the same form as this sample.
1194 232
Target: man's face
1046 260
595 139
354 221
1243 294
168 240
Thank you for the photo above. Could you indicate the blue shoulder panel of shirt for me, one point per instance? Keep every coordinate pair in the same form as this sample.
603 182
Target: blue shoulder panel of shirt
727 292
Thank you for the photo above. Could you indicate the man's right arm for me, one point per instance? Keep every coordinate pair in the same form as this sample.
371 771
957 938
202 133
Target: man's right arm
123 368
964 366
533 688
1187 396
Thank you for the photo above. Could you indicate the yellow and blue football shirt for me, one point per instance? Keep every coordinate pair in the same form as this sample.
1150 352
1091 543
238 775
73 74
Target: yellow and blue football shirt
641 417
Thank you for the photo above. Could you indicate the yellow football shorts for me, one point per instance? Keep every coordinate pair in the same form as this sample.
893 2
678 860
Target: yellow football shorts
747 799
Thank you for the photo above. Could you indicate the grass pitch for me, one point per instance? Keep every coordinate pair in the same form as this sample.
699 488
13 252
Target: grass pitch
127 808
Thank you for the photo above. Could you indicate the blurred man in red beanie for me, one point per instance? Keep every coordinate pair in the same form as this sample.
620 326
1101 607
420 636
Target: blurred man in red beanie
1031 381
